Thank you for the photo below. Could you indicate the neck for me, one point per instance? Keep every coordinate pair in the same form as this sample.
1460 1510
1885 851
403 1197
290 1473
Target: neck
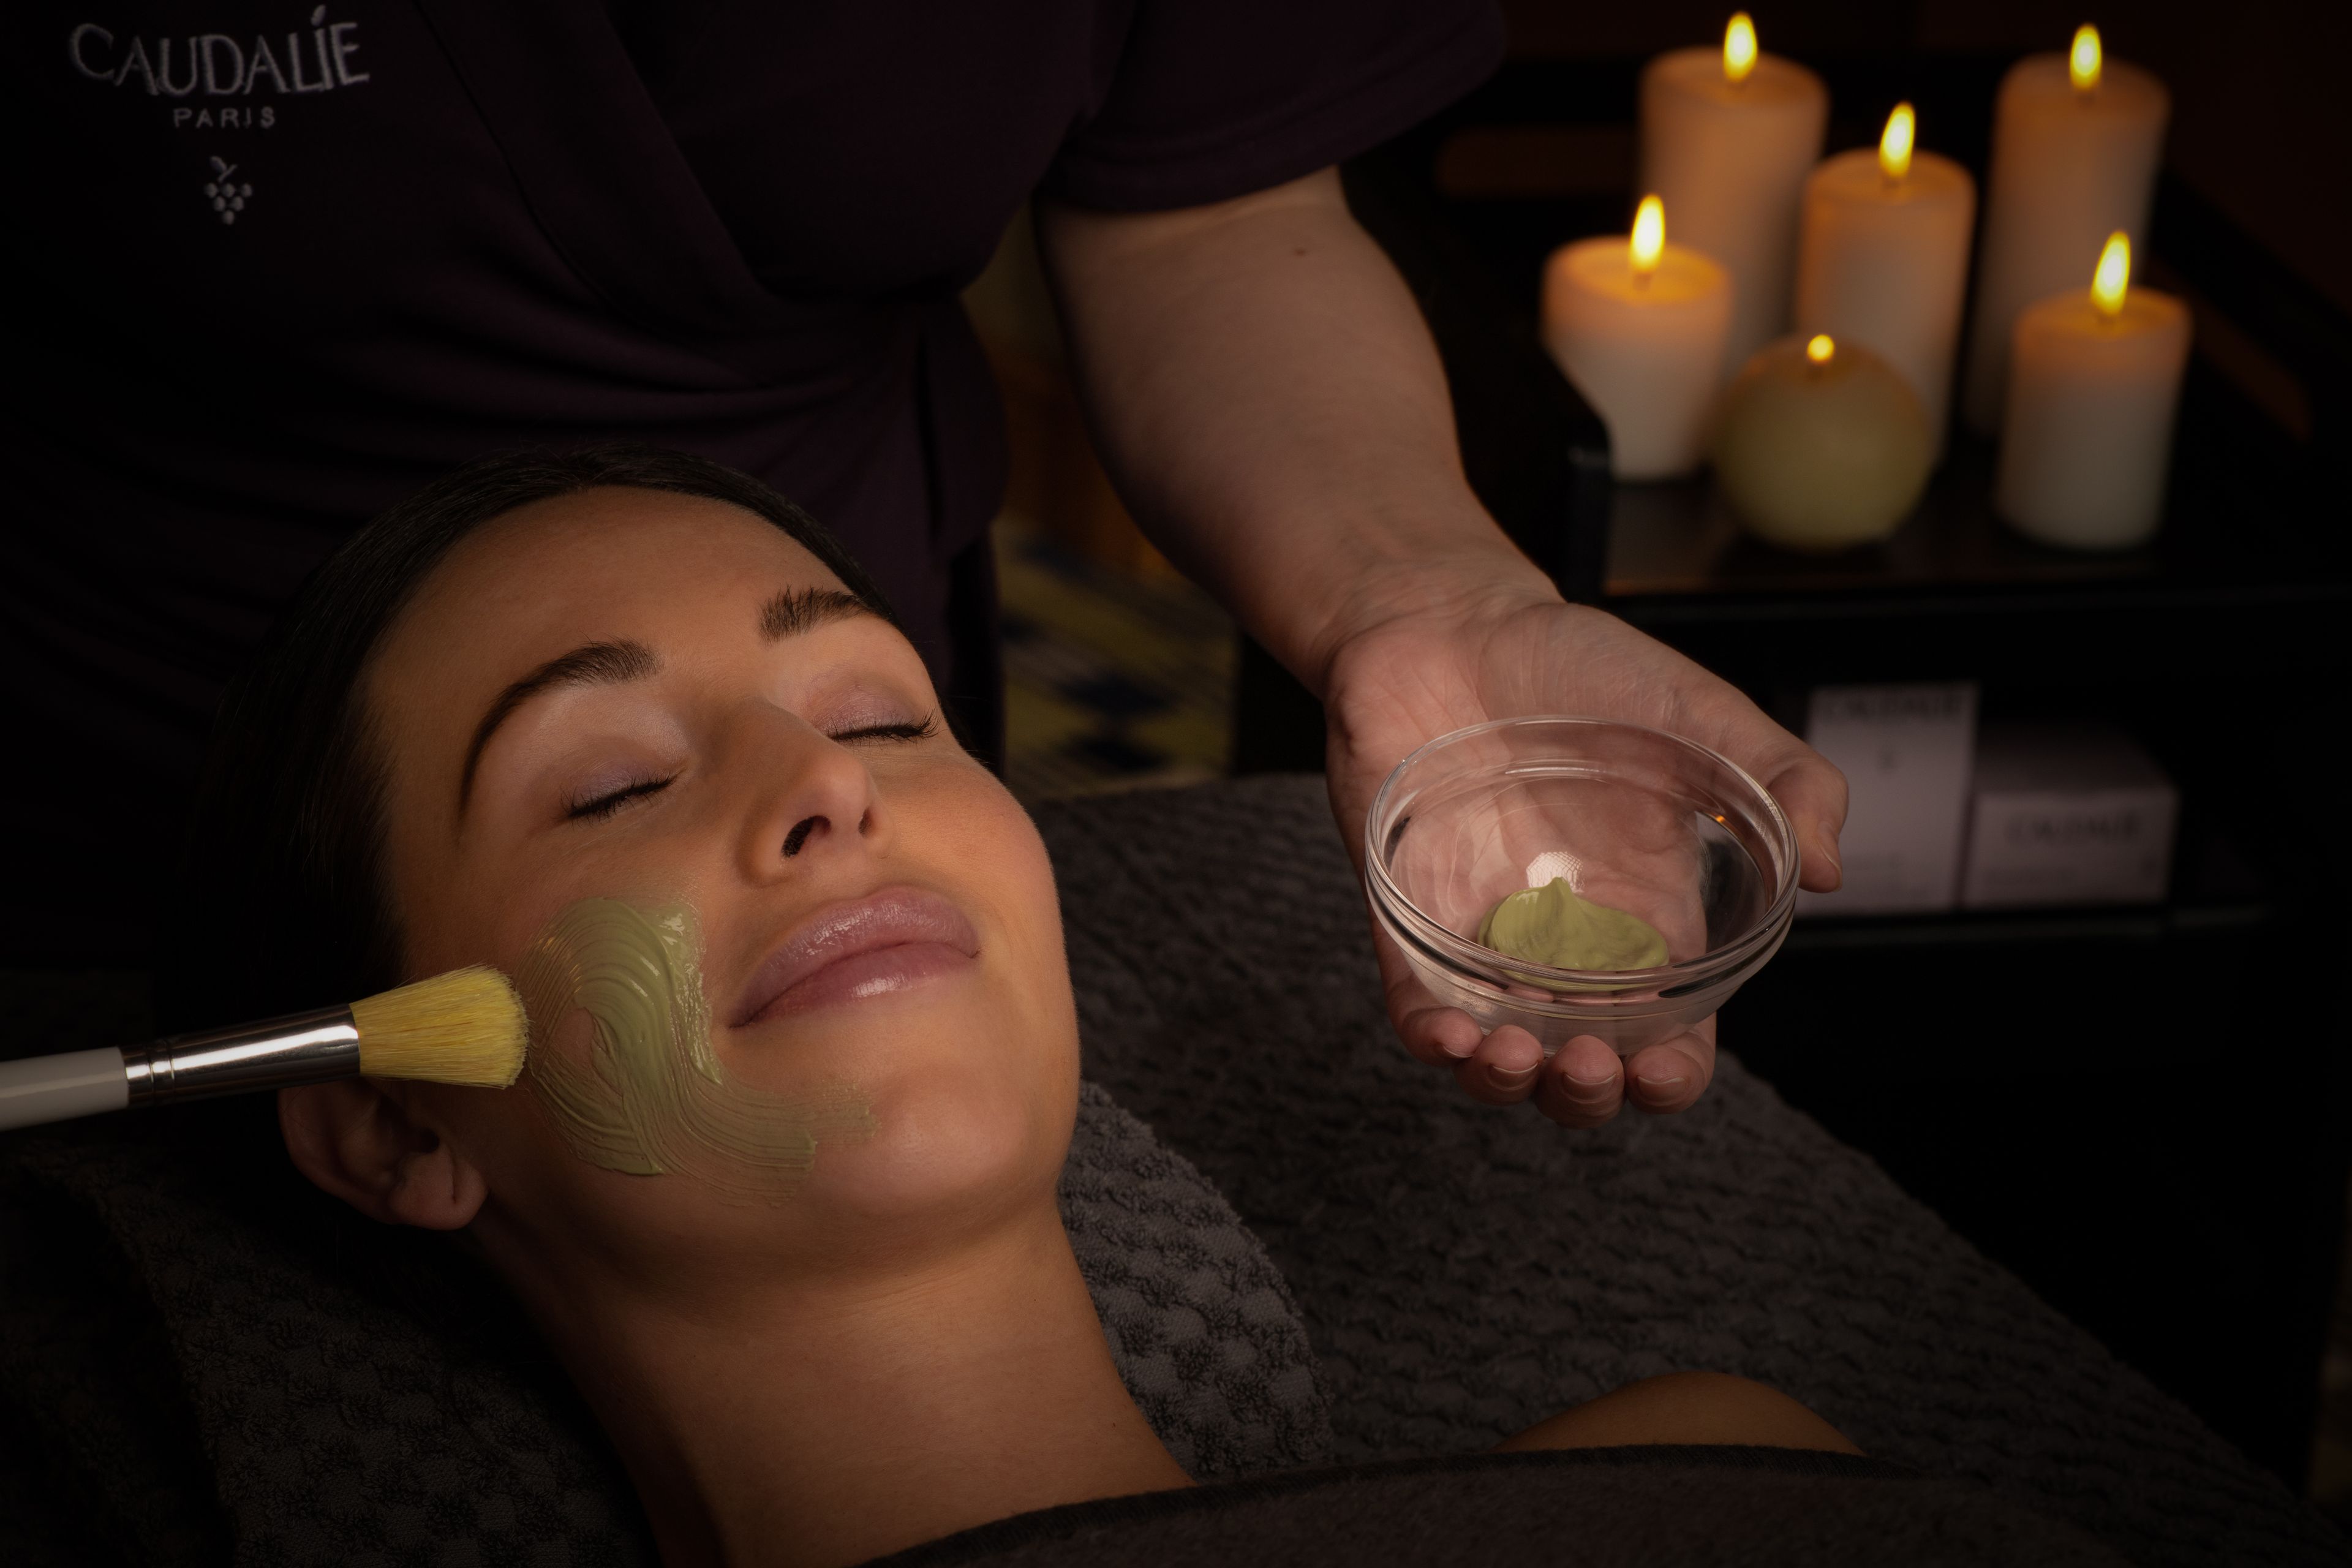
828 1422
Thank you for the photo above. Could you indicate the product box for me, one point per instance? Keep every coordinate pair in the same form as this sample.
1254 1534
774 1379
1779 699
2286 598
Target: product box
1906 751
2067 814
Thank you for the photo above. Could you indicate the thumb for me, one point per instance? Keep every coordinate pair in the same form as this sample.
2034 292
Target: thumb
1813 795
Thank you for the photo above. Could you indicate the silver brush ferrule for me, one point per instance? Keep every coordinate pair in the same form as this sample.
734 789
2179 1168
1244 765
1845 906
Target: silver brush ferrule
302 1047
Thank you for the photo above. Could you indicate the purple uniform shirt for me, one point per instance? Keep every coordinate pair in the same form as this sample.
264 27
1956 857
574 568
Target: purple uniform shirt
281 263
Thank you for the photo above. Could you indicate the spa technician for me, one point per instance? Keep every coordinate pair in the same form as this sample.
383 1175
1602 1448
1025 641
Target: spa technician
281 263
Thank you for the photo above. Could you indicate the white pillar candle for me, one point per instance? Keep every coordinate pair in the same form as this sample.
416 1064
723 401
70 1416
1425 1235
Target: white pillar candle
2075 143
1638 325
2093 383
1727 138
1884 260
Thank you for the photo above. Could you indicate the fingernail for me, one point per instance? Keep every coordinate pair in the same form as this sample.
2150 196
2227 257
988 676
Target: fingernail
1660 1083
1513 1078
1581 1081
1458 1050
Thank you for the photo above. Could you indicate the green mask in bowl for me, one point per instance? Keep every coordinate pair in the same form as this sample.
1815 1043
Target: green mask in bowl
1552 924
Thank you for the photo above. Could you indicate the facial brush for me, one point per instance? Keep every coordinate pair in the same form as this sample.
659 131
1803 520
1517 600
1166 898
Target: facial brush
465 1027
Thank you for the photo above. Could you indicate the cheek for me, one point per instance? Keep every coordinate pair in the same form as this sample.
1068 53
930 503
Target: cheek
553 1218
980 834
1003 868
973 1096
534 1180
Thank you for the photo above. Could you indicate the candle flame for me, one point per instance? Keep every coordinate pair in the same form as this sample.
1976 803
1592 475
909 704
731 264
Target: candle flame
1739 48
1894 145
2113 280
1649 237
2082 60
1820 347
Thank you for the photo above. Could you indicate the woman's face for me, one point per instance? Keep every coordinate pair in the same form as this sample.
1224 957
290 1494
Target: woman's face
639 696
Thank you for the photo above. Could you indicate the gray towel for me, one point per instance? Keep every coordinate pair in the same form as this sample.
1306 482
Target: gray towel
1466 1271
357 1388
1204 1330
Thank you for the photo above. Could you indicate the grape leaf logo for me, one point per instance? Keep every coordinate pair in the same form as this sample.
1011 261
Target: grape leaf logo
228 196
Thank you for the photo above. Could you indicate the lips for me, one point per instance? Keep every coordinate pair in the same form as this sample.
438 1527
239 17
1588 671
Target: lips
887 942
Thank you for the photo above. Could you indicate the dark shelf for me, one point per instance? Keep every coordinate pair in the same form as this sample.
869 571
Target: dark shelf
2253 554
2256 565
2042 927
2050 927
1681 542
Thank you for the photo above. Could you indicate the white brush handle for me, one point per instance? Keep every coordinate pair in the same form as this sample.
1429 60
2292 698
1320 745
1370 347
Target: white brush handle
301 1047
60 1088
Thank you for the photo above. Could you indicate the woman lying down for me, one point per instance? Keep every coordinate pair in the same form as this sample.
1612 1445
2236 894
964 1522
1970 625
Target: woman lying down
779 1185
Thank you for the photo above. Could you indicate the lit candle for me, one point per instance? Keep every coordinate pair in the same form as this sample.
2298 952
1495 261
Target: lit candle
1883 262
1822 444
1727 139
1638 325
2094 383
2075 143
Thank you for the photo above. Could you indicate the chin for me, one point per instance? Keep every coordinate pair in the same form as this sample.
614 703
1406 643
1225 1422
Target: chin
953 1141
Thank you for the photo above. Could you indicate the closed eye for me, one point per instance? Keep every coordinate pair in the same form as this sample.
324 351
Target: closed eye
900 732
598 808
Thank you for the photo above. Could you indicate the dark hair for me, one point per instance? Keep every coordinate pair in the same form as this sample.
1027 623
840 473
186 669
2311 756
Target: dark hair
282 868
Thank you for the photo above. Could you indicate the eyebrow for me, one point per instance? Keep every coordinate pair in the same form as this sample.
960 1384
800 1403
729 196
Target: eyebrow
593 664
798 610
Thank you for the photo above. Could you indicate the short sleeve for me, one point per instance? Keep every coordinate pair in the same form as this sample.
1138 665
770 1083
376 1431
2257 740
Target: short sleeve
1208 99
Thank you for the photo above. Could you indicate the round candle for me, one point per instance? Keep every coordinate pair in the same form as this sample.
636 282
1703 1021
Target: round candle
1638 325
1822 446
2094 382
1884 261
2075 143
1727 136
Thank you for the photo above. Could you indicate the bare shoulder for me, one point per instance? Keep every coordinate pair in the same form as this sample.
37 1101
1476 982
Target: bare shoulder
1685 1407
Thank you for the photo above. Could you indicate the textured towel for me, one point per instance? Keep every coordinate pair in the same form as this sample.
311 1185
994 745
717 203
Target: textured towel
1467 1271
360 1389
1205 1332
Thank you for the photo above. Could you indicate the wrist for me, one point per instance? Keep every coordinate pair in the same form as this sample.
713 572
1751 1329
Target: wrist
1469 581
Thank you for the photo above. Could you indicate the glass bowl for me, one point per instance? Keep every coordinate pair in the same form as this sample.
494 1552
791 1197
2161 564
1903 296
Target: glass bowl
1635 818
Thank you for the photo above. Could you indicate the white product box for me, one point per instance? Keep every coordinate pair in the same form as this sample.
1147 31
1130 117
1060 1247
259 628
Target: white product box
1906 753
2066 814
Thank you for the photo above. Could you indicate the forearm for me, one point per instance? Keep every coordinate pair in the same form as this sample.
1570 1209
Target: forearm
1261 385
1265 391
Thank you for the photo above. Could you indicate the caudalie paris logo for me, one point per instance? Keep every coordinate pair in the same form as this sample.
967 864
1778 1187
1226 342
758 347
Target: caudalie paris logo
207 67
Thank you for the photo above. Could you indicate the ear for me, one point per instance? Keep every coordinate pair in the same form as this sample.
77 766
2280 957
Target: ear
363 1144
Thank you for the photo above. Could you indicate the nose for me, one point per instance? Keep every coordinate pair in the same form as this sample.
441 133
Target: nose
812 799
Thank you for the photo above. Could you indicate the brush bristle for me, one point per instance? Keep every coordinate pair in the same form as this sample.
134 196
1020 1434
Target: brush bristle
465 1026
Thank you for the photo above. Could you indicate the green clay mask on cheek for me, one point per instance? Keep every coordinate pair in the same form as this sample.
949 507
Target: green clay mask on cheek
651 1097
1551 924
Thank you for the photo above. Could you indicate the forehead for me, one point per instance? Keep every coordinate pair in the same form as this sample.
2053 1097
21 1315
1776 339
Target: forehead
665 569
602 545
598 564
